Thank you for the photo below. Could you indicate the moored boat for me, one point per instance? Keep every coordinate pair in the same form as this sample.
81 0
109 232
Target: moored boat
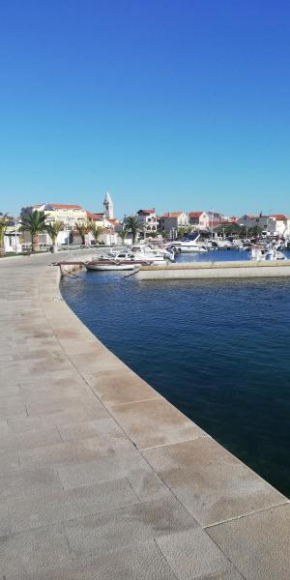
113 265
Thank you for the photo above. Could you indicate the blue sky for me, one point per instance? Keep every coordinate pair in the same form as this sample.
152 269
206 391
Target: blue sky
173 104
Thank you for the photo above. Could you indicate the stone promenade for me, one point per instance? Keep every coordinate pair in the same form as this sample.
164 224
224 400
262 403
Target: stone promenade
100 477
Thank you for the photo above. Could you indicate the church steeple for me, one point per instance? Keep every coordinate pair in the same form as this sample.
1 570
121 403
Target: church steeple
109 206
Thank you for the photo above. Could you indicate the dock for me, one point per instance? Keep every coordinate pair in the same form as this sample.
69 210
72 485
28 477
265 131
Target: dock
100 476
217 270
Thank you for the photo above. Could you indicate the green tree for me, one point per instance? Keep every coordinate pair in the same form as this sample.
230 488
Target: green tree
123 235
96 231
254 231
183 232
82 230
3 227
34 224
53 230
133 226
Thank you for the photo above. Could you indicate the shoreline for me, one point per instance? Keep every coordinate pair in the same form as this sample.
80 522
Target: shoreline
184 488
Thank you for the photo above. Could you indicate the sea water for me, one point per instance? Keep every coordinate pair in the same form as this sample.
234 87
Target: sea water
219 350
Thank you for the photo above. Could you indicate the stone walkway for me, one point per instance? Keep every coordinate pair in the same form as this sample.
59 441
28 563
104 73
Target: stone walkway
100 477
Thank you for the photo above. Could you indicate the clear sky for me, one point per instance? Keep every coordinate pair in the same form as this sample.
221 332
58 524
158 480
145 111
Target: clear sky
172 104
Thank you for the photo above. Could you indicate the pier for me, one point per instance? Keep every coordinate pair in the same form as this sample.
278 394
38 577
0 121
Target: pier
100 476
218 270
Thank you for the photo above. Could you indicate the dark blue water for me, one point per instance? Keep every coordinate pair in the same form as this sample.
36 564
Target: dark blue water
218 350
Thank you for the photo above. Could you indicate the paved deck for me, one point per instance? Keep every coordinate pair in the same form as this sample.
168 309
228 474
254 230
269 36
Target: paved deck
101 478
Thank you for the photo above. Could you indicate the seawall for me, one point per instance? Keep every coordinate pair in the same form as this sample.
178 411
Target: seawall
101 477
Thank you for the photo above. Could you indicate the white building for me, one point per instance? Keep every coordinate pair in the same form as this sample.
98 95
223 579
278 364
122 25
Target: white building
68 215
174 221
250 221
148 219
199 219
13 240
279 225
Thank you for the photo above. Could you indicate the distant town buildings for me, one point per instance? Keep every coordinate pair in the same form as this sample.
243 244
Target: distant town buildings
72 217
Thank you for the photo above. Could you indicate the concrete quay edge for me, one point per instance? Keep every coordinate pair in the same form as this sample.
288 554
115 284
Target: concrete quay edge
101 477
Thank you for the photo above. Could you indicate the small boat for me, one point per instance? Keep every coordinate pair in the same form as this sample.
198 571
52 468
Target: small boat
111 265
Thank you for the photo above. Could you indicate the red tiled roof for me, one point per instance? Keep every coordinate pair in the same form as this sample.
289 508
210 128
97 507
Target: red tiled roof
63 206
95 216
279 217
172 215
195 214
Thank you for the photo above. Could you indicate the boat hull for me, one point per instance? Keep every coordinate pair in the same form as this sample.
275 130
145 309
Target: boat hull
110 267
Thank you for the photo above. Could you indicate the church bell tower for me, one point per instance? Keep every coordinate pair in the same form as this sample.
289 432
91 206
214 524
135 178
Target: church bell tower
109 206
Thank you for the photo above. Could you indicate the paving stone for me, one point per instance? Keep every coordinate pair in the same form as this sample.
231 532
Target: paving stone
30 482
9 462
73 415
125 464
104 361
9 391
88 429
4 429
4 524
192 555
34 552
122 387
210 482
23 423
11 406
80 451
138 563
37 512
58 403
96 535
258 544
29 439
153 423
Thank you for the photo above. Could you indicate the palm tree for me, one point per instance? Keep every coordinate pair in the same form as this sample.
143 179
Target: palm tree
123 235
96 231
82 230
53 230
133 225
3 228
34 223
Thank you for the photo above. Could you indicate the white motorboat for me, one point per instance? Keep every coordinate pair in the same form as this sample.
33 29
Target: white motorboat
115 262
155 256
262 254
188 245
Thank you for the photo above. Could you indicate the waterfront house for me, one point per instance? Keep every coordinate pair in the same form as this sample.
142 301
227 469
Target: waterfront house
278 225
199 219
174 221
148 219
250 221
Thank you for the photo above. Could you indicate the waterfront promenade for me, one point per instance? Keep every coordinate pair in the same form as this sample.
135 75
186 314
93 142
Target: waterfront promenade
100 477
